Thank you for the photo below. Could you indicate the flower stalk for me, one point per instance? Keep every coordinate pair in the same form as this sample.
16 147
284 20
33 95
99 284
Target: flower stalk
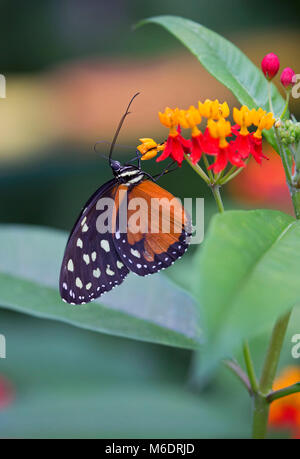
261 403
293 389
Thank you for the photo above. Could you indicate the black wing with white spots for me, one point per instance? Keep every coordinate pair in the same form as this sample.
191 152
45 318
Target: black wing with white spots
91 265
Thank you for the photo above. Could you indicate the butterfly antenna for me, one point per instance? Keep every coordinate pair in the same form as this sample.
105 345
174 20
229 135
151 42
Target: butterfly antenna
119 127
95 148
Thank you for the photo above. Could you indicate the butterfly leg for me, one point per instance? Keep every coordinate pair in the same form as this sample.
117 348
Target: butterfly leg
166 170
137 157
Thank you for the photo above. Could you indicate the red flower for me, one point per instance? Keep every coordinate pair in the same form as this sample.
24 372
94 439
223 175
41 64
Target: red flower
225 155
176 146
203 143
247 145
256 149
227 151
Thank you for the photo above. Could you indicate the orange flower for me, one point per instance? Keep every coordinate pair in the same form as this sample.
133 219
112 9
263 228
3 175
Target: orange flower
176 145
149 148
285 412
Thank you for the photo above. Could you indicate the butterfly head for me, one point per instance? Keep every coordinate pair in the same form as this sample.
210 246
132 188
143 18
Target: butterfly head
115 165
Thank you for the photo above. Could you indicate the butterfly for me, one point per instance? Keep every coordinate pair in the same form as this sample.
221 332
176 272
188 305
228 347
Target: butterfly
108 242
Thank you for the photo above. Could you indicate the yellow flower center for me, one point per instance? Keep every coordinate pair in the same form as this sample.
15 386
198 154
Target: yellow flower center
243 118
262 120
219 130
213 109
170 117
190 119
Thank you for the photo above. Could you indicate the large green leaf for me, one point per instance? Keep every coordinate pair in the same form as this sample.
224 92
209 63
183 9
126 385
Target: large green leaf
225 62
249 271
70 382
151 309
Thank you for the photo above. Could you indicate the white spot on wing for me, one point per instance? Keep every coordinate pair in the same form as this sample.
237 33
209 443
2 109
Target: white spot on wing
109 271
94 256
88 286
79 243
78 282
135 253
70 265
85 228
86 258
96 273
105 245
119 264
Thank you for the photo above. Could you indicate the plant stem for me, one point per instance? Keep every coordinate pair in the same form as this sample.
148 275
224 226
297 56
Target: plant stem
286 104
294 388
273 353
216 193
234 171
197 169
215 188
237 370
292 181
270 98
260 417
210 174
261 405
250 367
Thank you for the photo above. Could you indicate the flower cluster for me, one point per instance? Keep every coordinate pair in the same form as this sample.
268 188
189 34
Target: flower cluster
285 412
226 143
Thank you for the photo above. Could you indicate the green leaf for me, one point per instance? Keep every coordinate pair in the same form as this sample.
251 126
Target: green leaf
70 382
150 309
249 270
225 62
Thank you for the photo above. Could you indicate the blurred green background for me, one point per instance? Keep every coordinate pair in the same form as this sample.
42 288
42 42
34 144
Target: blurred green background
70 68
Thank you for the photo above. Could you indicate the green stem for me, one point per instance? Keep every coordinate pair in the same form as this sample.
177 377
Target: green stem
217 195
237 370
261 405
294 388
214 187
260 417
284 159
210 174
234 171
293 182
250 367
286 104
273 353
270 98
197 169
296 202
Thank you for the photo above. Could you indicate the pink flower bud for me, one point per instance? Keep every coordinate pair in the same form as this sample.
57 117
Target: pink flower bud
270 65
287 77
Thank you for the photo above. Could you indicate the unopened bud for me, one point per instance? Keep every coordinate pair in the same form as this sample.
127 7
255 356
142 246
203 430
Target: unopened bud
270 65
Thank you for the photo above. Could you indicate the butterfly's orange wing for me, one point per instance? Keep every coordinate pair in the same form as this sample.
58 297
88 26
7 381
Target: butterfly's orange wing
158 229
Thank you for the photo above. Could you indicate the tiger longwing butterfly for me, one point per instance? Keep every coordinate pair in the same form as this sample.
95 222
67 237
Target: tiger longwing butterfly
98 259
